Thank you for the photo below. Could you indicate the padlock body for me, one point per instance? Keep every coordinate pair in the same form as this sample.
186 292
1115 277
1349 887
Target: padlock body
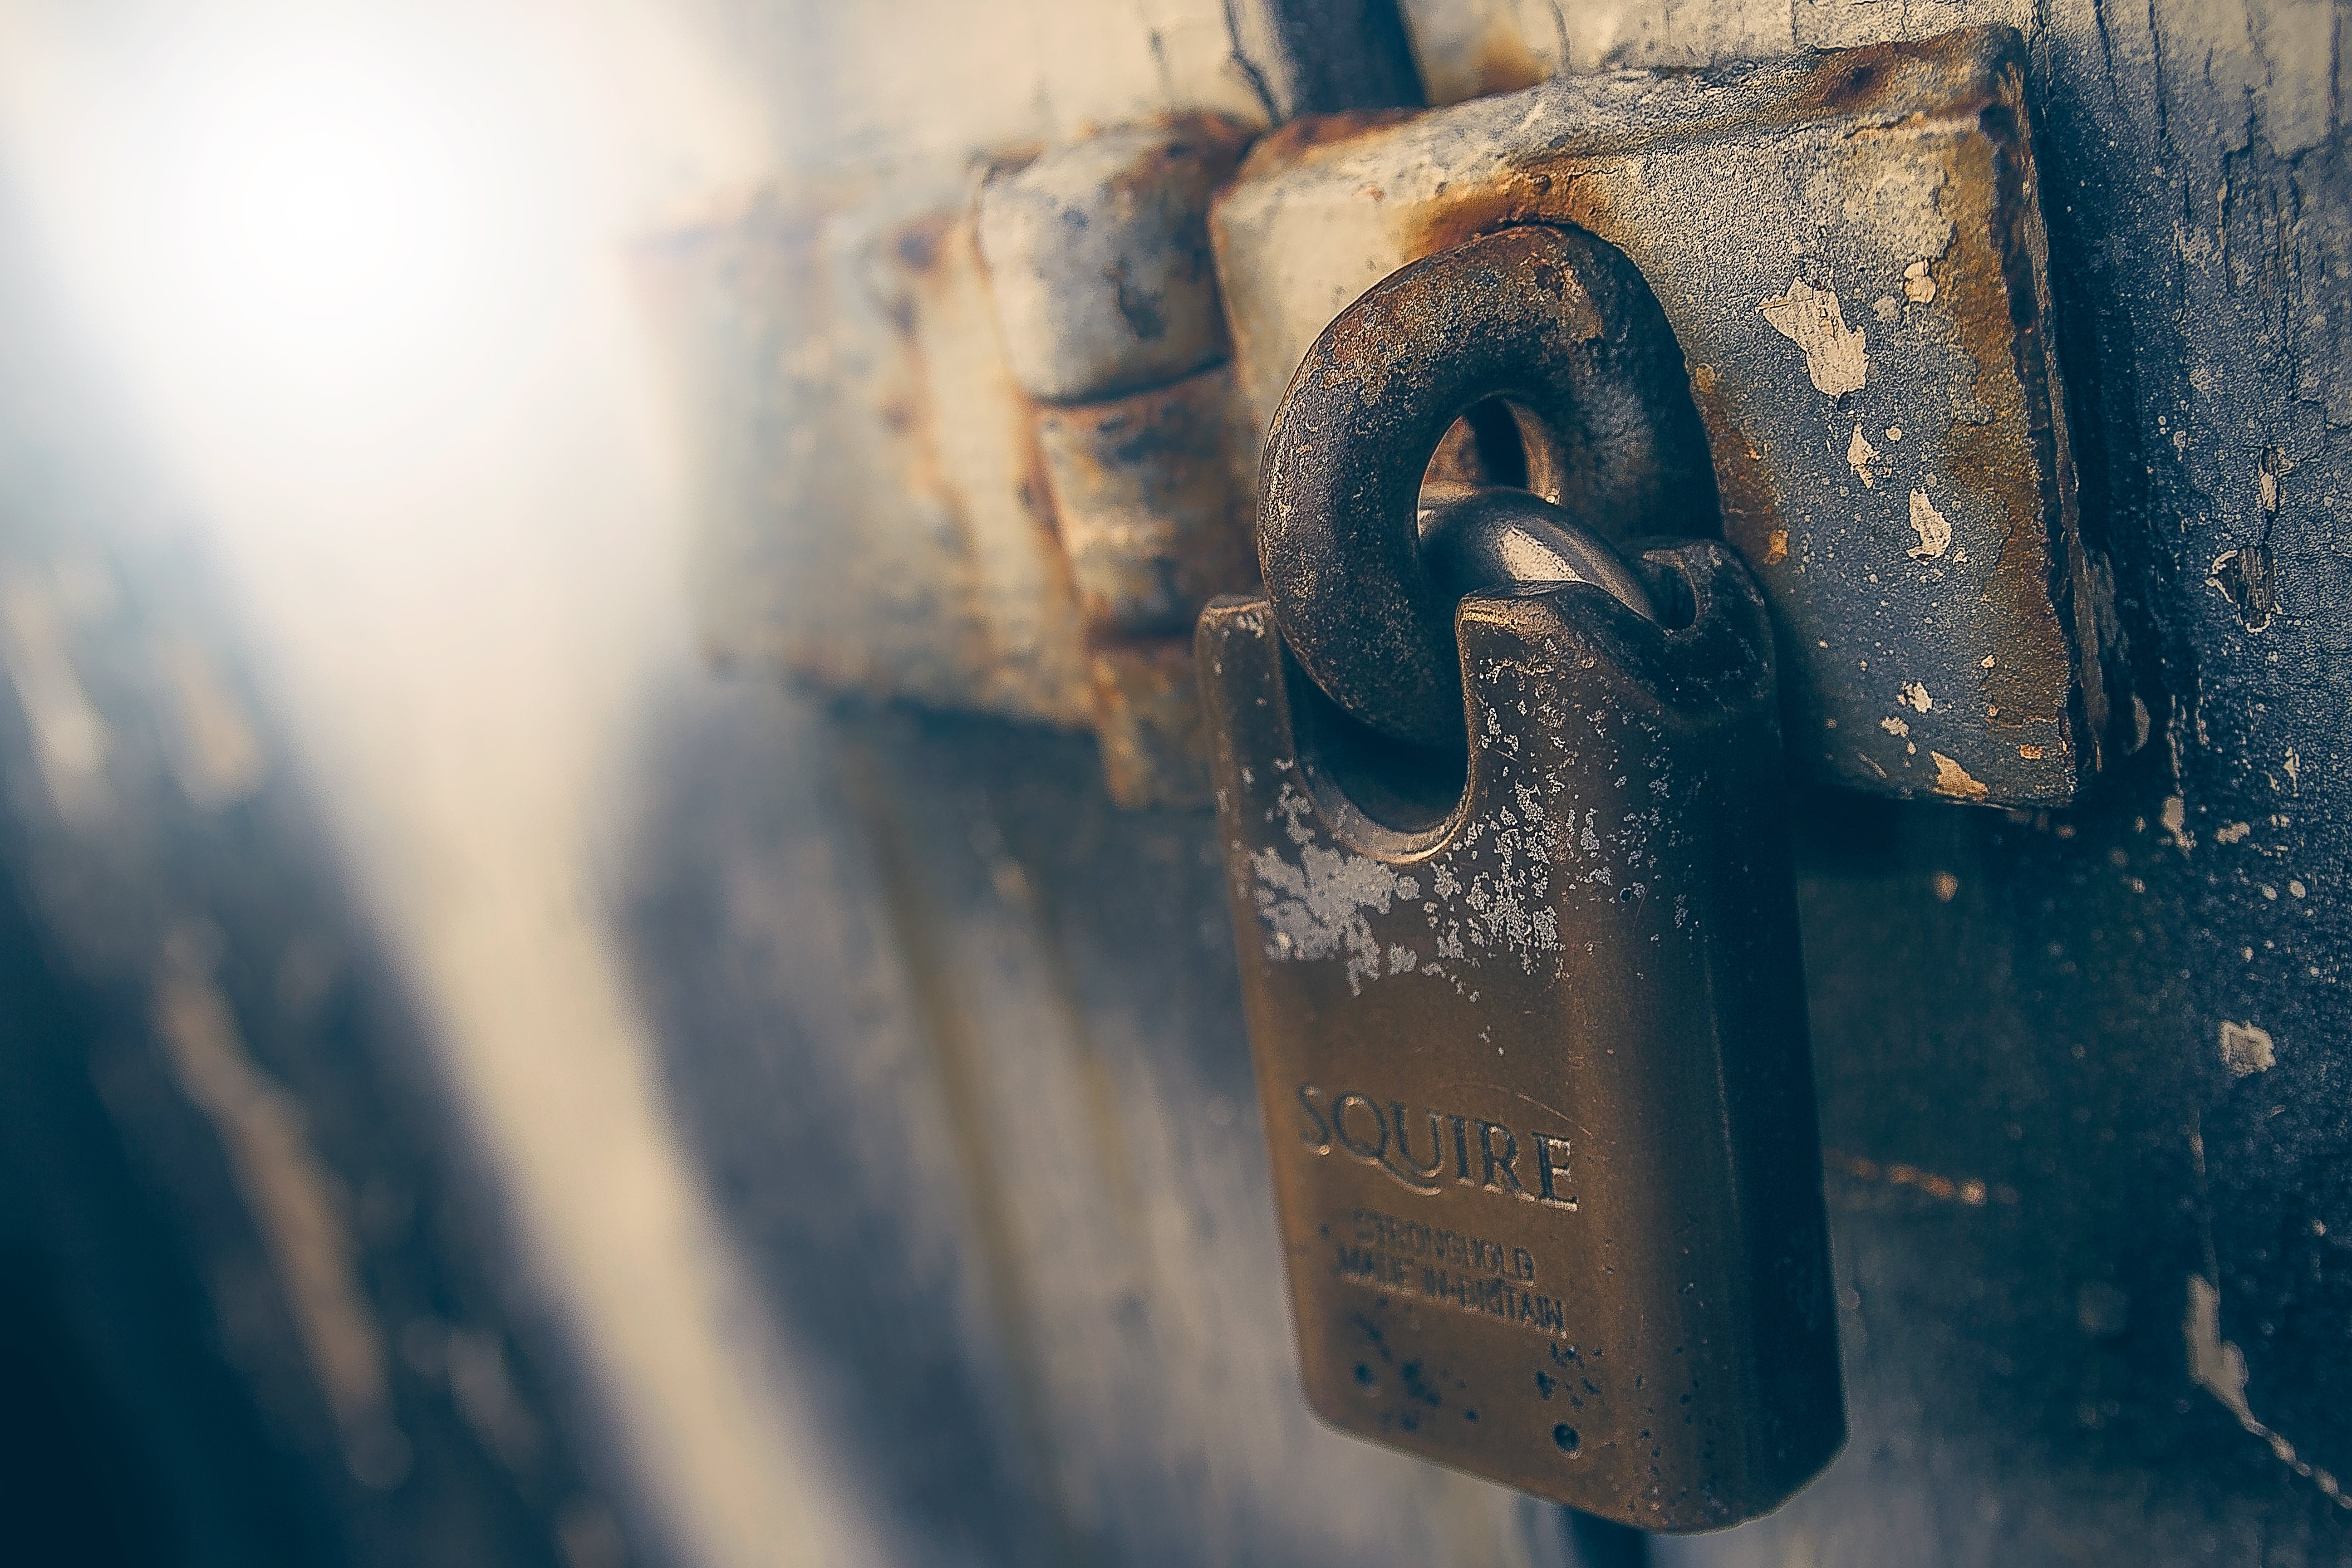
1535 1076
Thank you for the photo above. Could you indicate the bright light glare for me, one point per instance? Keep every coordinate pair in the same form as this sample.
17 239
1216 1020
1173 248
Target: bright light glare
356 261
301 229
319 214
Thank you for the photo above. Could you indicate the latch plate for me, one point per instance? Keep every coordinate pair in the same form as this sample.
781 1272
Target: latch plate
1850 250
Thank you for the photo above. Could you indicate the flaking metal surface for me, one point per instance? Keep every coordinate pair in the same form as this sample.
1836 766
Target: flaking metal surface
1848 248
1536 1079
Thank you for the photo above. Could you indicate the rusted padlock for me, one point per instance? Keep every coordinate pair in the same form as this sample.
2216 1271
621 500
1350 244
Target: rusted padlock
1519 952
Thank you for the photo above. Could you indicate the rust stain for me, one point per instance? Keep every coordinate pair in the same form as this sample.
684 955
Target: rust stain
2075 591
1304 140
1848 84
1565 189
1035 487
1153 515
1893 81
2006 458
1519 196
1213 128
1752 521
927 271
1009 158
912 254
1150 723
1967 1190
913 497
1211 142
1505 64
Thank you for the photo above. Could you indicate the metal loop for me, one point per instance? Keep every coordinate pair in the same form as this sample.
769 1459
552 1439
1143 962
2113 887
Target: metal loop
1503 543
1553 319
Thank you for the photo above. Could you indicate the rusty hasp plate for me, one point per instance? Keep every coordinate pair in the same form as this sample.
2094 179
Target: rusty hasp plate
1153 504
1848 248
1099 255
970 438
1106 303
870 513
1534 1064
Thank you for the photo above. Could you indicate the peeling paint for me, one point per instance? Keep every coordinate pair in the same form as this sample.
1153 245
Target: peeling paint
2247 577
1915 697
1859 456
1296 241
1315 908
1497 878
2173 816
1935 533
2219 1368
1917 286
2246 1049
1836 355
1953 780
1894 726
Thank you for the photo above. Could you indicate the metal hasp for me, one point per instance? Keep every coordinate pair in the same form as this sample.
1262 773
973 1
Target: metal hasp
1535 1078
1848 248
973 446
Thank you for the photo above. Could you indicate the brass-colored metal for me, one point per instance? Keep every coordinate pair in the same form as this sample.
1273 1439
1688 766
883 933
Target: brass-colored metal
1532 1051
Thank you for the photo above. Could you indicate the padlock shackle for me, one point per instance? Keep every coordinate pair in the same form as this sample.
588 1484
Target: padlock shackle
1553 319
1501 542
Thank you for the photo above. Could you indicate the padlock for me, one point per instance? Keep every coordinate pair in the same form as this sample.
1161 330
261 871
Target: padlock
1527 1011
